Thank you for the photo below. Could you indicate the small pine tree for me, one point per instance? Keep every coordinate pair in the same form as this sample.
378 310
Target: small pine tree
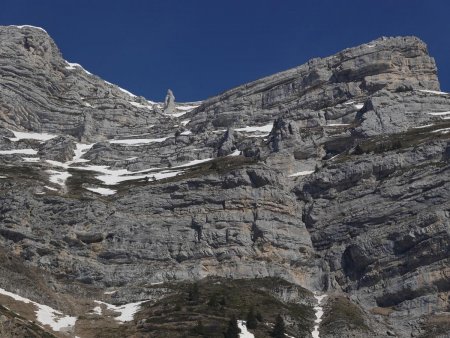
199 329
259 317
194 293
233 329
279 328
213 301
252 323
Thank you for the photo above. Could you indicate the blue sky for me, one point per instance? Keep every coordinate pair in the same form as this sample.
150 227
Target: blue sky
199 48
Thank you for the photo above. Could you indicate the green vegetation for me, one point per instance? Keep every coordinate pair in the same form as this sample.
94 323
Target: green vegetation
342 315
210 308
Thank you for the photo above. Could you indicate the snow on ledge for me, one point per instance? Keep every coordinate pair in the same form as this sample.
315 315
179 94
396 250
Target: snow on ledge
102 191
432 92
302 173
29 26
22 135
138 141
18 151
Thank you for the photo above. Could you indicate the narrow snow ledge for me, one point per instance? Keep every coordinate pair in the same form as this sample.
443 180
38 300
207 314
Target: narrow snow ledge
102 191
302 173
28 26
45 314
138 141
432 92
242 324
21 135
18 151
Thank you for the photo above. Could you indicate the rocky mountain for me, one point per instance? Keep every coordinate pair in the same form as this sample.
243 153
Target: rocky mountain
321 188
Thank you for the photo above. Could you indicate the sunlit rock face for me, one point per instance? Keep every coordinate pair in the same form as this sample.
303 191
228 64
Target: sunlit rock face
332 175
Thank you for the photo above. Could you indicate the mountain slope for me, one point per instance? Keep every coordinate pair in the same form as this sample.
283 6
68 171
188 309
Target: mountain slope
332 176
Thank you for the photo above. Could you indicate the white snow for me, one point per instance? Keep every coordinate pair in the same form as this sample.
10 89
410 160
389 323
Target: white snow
187 108
50 188
138 141
109 292
432 92
31 159
186 132
359 105
443 131
45 314
28 26
319 313
97 310
177 114
22 135
194 162
3 177
18 151
302 173
58 177
185 122
140 105
264 129
102 191
237 152
127 311
72 66
242 324
440 113
337 125
424 126
348 103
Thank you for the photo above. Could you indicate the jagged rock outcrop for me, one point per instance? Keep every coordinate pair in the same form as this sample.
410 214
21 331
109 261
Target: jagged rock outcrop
332 175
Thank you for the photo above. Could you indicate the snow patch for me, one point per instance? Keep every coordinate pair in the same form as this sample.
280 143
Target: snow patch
265 129
127 311
28 26
58 177
186 132
31 159
45 314
443 131
22 135
440 113
138 141
427 125
302 173
242 324
359 106
337 125
102 191
237 152
73 66
185 122
319 313
433 92
18 151
50 188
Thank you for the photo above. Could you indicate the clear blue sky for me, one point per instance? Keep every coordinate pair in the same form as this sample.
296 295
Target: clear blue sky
199 48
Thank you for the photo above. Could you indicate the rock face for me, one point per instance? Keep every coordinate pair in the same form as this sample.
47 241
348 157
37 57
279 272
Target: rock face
333 175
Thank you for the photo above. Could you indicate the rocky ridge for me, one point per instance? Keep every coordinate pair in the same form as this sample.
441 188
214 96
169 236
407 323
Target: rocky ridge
332 175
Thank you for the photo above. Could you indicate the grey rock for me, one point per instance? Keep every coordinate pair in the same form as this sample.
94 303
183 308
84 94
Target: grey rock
346 195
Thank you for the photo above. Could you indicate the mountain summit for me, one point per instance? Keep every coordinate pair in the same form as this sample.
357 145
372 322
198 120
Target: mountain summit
321 189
